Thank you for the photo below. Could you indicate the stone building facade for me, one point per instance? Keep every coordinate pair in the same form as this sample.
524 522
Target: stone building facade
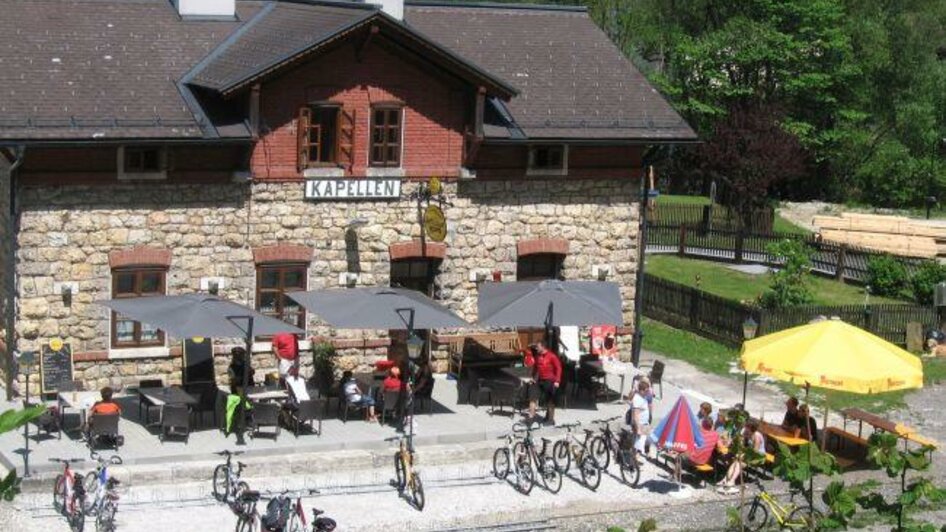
178 162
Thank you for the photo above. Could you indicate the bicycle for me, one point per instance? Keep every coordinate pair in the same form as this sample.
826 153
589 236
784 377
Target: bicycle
320 523
226 481
245 508
570 448
97 485
108 507
68 494
525 452
621 445
503 465
406 477
757 512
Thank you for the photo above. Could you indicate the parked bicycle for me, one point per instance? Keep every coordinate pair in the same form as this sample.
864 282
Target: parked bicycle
320 522
540 461
68 494
571 449
98 484
503 463
757 513
621 445
405 475
283 514
226 480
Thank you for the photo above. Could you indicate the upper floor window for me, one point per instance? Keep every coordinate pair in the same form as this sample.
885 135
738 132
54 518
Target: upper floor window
142 162
273 282
136 282
386 136
325 135
549 160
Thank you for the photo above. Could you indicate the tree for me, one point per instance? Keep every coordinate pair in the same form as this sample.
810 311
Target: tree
789 286
749 153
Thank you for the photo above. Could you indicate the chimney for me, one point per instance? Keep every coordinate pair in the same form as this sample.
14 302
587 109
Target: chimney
206 9
395 8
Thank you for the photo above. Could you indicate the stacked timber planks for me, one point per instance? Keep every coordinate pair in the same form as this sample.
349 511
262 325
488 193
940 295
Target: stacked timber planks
897 235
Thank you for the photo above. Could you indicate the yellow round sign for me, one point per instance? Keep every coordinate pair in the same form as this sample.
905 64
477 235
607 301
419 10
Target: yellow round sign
55 344
198 339
435 186
435 224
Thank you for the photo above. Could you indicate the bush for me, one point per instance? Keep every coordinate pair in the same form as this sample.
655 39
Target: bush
790 282
886 276
924 281
323 365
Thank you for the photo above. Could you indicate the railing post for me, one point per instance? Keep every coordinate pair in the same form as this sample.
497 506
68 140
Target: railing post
740 242
694 309
839 266
682 244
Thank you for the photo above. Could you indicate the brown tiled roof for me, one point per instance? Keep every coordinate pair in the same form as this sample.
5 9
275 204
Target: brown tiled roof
83 69
573 82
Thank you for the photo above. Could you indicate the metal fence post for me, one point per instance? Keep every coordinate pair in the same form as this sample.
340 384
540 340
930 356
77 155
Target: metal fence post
682 244
740 243
839 266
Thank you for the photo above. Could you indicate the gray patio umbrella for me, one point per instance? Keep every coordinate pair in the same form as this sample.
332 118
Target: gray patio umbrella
190 315
377 308
549 303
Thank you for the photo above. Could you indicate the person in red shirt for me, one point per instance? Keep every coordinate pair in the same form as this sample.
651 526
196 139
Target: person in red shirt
547 374
286 349
392 383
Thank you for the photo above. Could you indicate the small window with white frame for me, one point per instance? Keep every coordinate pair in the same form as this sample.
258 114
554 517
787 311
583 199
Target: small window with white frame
142 162
551 159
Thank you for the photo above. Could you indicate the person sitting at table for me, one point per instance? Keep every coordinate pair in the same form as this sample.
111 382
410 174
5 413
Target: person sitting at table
355 396
704 454
804 412
392 383
105 407
423 381
792 421
706 417
547 374
752 439
239 365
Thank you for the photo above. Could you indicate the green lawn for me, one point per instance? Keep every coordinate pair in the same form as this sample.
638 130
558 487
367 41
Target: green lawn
779 225
715 358
716 278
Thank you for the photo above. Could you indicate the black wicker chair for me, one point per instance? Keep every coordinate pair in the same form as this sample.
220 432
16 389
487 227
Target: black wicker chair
175 421
264 415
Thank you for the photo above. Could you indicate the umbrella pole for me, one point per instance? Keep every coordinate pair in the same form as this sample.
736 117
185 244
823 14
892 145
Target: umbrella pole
745 386
241 408
811 478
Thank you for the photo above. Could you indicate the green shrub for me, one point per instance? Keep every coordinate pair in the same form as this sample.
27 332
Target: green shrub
886 276
924 281
789 286
323 364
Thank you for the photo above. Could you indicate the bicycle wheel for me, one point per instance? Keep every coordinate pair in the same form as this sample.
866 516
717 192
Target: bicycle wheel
105 520
295 524
802 518
562 455
754 515
630 470
90 485
399 472
551 478
76 516
59 494
501 463
525 476
600 451
246 523
221 482
417 492
590 472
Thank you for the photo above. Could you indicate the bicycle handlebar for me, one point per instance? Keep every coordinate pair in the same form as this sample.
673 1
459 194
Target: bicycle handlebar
608 420
229 453
569 426
66 460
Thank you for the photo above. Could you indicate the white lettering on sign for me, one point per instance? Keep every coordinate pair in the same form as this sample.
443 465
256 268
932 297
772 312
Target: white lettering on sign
352 188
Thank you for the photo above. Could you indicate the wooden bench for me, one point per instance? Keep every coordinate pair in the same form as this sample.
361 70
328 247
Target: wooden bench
841 435
490 350
700 470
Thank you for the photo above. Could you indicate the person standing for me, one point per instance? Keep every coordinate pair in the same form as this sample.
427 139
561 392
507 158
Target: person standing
286 349
640 417
547 376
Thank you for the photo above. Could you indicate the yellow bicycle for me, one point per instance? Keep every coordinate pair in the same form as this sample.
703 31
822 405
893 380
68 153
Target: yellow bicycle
405 475
763 507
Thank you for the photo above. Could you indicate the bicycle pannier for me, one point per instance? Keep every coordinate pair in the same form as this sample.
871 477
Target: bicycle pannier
277 514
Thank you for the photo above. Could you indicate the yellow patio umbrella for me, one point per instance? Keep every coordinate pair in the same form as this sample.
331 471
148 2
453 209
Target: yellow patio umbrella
834 355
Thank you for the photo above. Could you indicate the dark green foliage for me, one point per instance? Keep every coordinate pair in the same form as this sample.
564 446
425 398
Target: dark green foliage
924 281
886 276
884 452
11 420
323 364
790 282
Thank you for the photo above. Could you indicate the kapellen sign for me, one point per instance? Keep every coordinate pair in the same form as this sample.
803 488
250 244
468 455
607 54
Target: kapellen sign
352 189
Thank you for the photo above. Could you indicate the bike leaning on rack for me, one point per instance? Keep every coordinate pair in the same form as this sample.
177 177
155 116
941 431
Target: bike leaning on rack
406 478
101 495
571 449
621 445
226 480
539 460
757 513
504 465
69 495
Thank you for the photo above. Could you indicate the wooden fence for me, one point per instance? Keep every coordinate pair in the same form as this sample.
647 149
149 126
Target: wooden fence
709 217
839 261
721 319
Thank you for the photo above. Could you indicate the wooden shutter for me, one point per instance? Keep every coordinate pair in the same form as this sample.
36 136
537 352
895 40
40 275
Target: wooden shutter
345 148
302 138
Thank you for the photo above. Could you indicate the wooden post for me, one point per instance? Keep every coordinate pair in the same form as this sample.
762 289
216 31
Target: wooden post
682 244
740 242
839 266
694 308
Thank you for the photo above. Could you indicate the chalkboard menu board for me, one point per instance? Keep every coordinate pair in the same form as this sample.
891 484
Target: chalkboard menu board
55 366
198 360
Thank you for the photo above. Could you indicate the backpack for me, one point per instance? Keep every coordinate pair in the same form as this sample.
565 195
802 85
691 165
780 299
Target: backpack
277 514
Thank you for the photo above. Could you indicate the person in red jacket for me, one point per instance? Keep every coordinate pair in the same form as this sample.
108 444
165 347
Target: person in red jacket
547 375
286 349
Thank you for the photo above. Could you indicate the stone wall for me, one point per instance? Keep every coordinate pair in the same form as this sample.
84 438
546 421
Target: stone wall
67 233
6 268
